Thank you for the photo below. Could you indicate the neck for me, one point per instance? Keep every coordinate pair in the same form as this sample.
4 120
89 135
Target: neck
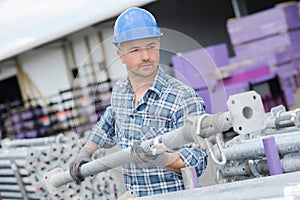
139 83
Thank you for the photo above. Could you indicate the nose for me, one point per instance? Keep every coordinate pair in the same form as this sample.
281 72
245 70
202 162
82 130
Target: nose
145 54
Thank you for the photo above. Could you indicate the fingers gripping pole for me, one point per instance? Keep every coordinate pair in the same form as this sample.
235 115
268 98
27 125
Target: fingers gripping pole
56 179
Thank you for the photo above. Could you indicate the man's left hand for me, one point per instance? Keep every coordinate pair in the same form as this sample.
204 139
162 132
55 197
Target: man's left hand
144 160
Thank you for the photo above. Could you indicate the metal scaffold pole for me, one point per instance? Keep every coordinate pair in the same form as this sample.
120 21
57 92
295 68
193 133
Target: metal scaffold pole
56 179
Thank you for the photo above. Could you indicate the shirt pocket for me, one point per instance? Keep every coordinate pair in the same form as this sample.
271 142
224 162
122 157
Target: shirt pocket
154 126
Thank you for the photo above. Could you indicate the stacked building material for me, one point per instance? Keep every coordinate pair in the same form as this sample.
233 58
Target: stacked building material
195 68
26 122
271 38
24 162
73 109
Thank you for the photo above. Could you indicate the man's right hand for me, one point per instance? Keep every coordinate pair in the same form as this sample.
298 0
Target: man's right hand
83 157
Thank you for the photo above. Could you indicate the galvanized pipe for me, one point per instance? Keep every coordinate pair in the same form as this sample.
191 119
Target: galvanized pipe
11 195
190 179
209 125
40 158
26 180
8 172
19 162
9 154
213 124
17 195
289 163
253 148
33 142
173 139
9 187
19 179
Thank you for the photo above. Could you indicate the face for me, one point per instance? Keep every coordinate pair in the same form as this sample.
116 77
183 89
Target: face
141 57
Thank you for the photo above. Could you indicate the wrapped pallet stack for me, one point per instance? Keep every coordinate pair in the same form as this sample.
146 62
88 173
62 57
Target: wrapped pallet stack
195 68
266 45
271 38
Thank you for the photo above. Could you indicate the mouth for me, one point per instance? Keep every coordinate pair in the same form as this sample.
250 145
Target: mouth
146 65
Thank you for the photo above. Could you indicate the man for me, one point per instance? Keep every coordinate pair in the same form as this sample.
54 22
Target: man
145 104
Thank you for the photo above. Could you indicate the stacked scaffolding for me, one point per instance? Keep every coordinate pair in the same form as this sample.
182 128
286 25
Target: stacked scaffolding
23 163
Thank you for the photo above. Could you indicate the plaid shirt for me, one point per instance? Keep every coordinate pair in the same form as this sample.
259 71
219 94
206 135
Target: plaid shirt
164 107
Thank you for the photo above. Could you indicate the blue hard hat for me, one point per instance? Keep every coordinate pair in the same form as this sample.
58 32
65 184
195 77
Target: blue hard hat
135 24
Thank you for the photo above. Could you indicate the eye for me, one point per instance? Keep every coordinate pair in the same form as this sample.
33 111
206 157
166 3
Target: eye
152 46
134 50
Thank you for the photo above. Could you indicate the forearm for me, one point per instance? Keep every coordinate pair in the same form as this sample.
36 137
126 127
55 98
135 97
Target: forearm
176 163
187 157
91 146
194 157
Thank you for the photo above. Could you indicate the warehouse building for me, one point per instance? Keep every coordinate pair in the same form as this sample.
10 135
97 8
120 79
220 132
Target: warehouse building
55 87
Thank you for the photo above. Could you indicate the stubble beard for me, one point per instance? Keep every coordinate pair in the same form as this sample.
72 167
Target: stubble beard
145 71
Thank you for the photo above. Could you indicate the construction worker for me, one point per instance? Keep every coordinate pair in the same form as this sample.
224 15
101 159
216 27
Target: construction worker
145 104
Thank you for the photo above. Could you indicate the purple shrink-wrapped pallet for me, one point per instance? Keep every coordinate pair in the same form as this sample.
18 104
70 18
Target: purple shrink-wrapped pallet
215 99
246 74
194 67
219 95
219 54
287 73
289 41
278 19
275 57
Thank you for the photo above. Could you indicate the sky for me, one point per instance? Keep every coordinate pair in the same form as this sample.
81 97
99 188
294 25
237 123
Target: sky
27 23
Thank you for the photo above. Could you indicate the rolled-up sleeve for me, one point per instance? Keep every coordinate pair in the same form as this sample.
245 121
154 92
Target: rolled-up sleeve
193 157
103 132
191 105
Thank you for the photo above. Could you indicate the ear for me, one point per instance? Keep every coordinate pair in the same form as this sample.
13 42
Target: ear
121 57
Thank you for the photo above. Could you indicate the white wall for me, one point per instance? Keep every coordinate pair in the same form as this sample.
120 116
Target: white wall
7 71
47 69
115 68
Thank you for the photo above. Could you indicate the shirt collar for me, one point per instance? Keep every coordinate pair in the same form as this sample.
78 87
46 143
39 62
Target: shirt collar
159 84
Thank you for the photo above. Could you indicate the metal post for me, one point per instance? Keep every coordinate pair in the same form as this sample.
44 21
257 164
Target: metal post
19 179
239 8
86 40
272 156
190 179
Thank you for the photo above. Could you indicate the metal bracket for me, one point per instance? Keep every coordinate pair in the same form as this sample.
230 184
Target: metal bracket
247 111
220 148
252 164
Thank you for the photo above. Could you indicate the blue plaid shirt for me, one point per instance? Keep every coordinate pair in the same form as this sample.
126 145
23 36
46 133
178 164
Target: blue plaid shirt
164 107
